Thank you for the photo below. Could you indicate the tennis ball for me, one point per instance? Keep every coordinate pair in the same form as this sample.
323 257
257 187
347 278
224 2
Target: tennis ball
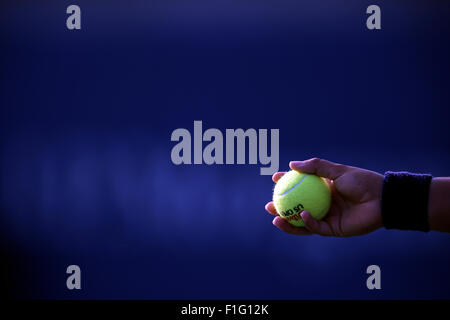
296 192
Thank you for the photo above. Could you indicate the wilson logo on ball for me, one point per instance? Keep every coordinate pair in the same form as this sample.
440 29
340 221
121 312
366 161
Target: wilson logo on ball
298 208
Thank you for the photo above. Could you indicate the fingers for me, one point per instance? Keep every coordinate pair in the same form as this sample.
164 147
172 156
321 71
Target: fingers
277 176
315 226
322 168
285 226
311 225
271 208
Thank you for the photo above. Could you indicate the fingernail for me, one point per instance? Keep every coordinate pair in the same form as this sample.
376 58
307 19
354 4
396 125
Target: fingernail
267 206
304 215
295 164
274 221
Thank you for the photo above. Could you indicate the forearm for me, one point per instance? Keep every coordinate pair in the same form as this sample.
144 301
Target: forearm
439 205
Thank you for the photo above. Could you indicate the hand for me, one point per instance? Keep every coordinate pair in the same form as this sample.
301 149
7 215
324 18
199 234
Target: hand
356 200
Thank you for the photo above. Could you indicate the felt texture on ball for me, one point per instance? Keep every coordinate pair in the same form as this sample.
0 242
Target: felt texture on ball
296 192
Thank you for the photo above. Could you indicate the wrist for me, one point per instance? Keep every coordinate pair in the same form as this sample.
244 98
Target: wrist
439 205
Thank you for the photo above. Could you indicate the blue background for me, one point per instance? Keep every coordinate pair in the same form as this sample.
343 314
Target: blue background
86 119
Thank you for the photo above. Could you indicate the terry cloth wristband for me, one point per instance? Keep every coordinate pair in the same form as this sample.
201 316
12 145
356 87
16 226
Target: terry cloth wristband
404 202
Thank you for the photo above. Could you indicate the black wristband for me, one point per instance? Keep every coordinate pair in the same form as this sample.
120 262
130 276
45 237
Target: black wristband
404 202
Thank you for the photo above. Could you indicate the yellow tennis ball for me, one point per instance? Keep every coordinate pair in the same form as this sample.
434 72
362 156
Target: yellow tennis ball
296 192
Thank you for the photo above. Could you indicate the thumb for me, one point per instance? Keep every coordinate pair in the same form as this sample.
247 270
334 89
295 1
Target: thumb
322 168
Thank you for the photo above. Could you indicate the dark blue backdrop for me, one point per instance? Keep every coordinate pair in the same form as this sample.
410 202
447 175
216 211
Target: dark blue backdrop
86 118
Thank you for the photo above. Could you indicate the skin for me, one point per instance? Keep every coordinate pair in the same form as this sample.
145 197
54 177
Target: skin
439 205
356 201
